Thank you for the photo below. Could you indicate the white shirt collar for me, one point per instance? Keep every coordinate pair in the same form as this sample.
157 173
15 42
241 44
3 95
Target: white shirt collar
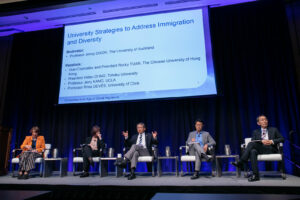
264 129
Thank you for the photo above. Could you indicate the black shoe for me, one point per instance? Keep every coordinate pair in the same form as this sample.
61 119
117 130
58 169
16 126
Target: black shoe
123 164
84 174
253 178
195 176
20 176
132 176
26 176
118 161
127 175
238 164
208 159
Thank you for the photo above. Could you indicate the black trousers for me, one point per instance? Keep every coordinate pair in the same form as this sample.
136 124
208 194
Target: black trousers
252 150
87 153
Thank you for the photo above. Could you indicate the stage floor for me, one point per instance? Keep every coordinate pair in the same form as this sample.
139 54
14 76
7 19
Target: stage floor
268 179
74 186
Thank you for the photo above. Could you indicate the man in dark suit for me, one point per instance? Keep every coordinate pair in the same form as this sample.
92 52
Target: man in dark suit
263 141
91 149
140 145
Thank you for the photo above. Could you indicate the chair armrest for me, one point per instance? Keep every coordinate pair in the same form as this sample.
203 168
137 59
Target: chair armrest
75 150
243 148
211 150
102 151
14 152
154 151
43 153
124 150
280 147
186 148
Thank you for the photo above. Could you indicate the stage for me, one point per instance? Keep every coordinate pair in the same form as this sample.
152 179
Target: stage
147 186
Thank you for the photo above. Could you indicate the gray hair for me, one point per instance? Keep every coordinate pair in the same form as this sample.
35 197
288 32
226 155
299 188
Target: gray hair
142 123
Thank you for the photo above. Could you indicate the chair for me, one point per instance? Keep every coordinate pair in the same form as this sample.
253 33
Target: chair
78 159
191 158
269 157
15 160
148 159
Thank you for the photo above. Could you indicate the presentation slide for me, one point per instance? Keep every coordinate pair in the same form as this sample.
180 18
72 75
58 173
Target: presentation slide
163 55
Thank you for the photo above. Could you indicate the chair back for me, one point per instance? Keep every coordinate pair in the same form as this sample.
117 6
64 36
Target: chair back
48 146
47 150
247 140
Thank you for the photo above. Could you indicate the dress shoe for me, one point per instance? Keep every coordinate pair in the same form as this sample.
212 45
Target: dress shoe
206 157
118 161
132 176
127 175
195 176
238 164
84 174
253 178
20 176
123 164
121 161
26 176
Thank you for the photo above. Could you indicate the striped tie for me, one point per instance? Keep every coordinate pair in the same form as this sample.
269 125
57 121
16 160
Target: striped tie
140 139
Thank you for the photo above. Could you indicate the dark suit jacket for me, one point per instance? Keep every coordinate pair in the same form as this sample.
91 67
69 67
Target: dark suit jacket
100 143
149 141
273 134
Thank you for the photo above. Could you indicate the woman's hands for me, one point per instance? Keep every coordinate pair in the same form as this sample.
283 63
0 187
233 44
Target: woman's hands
98 134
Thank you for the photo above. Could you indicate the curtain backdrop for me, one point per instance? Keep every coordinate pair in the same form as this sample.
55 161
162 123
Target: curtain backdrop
255 74
5 50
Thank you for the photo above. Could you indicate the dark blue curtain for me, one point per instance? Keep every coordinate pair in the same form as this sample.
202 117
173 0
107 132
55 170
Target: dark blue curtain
255 74
5 50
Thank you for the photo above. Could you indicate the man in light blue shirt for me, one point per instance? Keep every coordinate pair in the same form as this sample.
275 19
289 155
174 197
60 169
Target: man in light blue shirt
198 143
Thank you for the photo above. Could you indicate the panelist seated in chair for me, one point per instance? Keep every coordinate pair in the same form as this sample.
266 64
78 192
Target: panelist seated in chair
198 142
263 141
140 144
32 148
91 149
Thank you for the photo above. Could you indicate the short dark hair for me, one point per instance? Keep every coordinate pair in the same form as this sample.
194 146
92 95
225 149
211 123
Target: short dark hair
261 115
199 120
142 123
35 129
95 129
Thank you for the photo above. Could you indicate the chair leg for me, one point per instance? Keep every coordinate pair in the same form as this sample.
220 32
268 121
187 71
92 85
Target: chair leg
74 168
13 170
100 167
246 170
153 173
283 174
190 167
213 168
41 168
181 169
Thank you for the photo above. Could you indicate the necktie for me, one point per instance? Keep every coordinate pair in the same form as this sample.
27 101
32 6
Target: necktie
140 139
263 134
